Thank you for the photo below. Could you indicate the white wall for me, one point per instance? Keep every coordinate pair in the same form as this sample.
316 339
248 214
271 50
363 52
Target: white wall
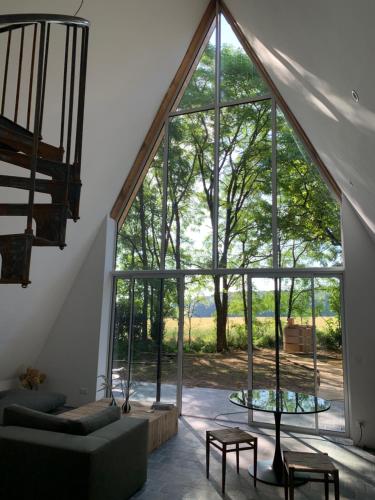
80 334
134 50
360 325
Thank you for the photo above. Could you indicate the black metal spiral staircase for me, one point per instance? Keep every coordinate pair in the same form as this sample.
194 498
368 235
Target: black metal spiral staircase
36 50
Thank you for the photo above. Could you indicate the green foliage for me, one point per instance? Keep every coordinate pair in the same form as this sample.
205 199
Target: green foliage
331 337
263 333
201 345
308 217
237 337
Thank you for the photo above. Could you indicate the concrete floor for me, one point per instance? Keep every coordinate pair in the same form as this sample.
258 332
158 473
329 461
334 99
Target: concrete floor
207 402
177 469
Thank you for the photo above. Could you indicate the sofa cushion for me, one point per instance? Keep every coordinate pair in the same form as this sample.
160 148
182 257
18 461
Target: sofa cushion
91 423
20 416
36 400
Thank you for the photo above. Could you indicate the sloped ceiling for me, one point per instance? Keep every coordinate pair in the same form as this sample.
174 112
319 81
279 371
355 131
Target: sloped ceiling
134 51
317 53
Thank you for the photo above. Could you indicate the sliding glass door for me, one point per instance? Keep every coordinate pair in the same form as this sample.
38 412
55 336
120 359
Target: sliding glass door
166 343
145 339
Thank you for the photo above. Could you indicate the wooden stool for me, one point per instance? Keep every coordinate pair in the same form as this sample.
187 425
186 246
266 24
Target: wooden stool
228 437
300 465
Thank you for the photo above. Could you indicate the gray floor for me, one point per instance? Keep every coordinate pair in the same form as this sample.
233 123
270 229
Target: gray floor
206 402
177 469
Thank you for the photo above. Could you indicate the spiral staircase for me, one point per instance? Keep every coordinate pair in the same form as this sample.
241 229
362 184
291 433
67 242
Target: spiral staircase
44 59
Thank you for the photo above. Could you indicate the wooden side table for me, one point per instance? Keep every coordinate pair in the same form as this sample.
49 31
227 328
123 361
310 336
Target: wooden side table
221 439
304 466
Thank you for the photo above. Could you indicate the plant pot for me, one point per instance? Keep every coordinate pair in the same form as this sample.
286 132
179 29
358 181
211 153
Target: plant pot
125 408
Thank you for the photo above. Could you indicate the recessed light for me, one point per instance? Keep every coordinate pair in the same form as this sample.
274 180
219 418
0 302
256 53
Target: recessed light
355 95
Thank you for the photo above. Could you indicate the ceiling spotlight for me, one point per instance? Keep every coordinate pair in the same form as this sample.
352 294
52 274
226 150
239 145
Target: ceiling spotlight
355 95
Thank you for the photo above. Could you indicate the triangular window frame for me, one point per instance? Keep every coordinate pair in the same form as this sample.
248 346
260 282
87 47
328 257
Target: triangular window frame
174 93
170 108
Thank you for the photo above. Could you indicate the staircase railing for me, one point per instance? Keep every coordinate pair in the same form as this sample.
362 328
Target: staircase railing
41 126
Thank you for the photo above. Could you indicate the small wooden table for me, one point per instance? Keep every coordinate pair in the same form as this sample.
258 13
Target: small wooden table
163 424
317 467
221 439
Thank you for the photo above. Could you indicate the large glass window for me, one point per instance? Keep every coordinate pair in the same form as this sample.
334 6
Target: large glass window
230 214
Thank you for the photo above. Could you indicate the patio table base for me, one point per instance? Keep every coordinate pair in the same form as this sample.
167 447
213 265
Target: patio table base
267 475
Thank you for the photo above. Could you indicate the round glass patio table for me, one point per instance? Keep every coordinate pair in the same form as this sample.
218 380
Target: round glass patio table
278 403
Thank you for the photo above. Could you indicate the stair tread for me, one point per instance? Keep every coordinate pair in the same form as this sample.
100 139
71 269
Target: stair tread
19 138
45 166
11 125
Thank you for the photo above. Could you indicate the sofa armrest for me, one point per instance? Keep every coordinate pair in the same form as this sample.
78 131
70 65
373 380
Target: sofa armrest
125 455
110 463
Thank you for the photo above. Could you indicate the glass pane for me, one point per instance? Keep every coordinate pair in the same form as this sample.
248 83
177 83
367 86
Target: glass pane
147 331
245 186
138 241
263 335
239 77
169 342
297 370
200 91
215 346
308 216
190 191
329 352
121 336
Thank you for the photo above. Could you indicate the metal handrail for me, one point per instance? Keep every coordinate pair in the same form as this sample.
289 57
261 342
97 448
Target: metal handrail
40 18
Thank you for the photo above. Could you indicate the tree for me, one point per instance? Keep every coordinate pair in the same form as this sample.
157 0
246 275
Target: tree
308 217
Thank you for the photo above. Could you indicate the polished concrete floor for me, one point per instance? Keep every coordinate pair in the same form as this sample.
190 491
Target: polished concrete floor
177 470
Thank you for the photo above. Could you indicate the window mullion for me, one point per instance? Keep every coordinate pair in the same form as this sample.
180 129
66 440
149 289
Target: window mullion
163 245
275 260
215 252
316 384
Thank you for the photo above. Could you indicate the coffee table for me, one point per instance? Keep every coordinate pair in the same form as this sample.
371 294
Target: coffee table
163 424
279 403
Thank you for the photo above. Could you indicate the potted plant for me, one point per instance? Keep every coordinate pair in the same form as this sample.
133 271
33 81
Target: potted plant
106 386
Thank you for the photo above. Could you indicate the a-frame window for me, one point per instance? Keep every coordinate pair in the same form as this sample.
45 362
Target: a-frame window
229 235
231 185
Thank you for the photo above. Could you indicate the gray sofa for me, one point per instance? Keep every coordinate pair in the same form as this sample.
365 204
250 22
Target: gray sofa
108 464
37 400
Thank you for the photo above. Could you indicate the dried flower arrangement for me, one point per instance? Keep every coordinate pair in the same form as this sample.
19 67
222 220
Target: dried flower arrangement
32 378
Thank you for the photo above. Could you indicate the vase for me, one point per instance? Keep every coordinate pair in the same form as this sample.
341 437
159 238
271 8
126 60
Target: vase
125 408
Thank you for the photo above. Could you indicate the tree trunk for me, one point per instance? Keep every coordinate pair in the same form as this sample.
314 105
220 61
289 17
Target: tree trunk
178 238
244 301
221 304
290 300
189 330
144 310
